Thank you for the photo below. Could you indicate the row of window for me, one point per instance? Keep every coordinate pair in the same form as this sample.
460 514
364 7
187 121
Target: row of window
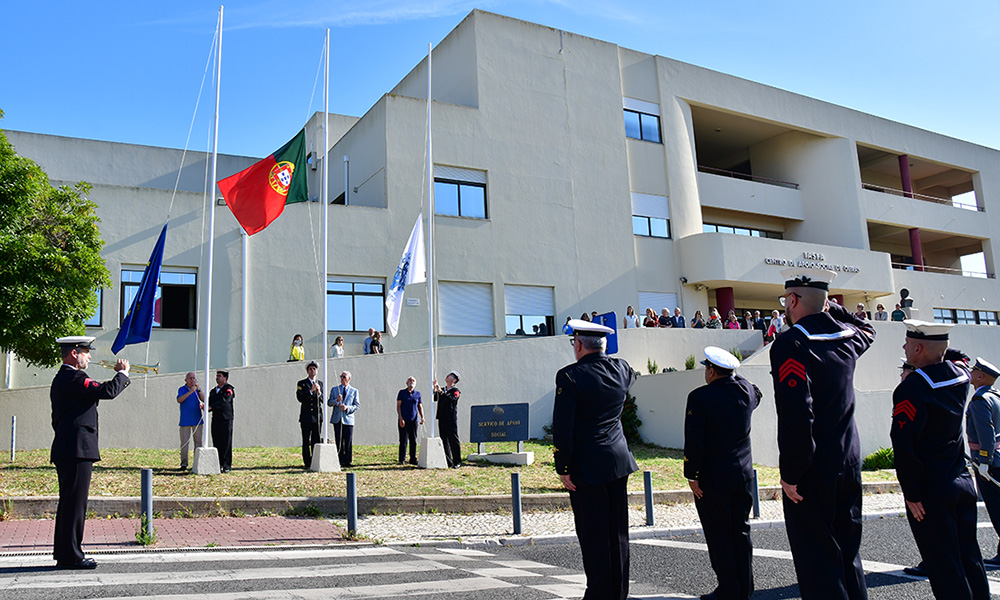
966 317
714 228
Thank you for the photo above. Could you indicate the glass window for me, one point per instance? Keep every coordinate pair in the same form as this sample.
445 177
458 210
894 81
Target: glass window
459 199
944 315
642 126
988 317
967 317
529 325
95 319
632 127
355 306
446 198
175 303
714 228
640 225
659 227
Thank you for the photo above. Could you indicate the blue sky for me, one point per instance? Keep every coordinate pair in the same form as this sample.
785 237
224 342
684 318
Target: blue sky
131 71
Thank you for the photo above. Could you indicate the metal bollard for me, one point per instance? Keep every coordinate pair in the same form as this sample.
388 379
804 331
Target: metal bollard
647 480
756 496
352 504
13 436
147 501
515 495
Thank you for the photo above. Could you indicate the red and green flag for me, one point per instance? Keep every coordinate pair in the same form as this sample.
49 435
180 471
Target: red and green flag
259 193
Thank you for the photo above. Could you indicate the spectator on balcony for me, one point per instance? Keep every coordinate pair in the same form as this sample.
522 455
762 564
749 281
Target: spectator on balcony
698 322
758 322
678 319
733 322
898 314
650 320
631 320
747 322
880 313
664 319
774 328
714 320
860 312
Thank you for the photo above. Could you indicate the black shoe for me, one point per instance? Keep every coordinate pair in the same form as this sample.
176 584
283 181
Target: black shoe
413 461
402 462
916 571
86 563
992 562
708 596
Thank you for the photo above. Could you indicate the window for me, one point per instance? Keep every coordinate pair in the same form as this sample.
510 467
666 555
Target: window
965 317
355 305
459 192
529 310
95 319
642 120
650 216
465 308
176 296
713 228
657 301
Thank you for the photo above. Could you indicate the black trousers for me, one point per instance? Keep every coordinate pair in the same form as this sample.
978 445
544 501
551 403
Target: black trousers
449 439
601 516
991 497
824 533
947 541
344 436
310 437
222 439
724 512
408 433
71 515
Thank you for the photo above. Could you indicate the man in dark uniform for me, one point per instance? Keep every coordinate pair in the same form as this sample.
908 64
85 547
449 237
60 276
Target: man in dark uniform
309 393
983 429
447 417
592 457
927 441
719 469
75 448
812 366
220 403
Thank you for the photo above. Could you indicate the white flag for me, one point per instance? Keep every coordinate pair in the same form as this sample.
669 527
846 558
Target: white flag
412 269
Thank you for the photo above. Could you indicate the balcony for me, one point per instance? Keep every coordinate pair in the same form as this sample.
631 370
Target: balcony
734 191
965 204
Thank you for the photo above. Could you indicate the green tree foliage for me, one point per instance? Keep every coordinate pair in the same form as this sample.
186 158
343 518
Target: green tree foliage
50 252
630 419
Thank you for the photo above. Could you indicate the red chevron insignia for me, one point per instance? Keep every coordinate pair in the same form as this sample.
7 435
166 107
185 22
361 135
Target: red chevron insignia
906 409
790 368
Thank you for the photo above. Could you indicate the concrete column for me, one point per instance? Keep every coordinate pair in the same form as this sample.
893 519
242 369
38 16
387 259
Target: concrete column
724 301
904 175
682 169
916 249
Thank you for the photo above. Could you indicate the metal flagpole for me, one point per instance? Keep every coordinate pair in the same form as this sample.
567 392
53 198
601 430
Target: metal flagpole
324 195
211 233
243 295
430 237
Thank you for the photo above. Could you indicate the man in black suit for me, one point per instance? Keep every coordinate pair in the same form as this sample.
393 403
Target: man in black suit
309 393
220 403
592 457
75 448
719 469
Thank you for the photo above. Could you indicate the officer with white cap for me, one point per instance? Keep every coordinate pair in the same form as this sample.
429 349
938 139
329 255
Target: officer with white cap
812 366
592 456
982 425
719 469
447 417
75 447
927 411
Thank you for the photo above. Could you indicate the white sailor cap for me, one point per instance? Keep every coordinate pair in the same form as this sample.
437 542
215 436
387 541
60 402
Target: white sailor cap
581 327
808 277
77 341
717 357
922 330
985 367
455 375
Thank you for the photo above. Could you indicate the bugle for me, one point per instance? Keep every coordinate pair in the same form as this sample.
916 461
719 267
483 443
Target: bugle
107 364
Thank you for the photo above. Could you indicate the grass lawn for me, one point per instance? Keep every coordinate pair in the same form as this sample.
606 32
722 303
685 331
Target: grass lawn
277 472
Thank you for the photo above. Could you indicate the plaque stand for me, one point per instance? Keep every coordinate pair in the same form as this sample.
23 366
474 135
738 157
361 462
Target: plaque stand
520 458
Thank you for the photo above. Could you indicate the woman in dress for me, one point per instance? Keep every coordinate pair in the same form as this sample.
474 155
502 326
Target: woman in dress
631 320
337 349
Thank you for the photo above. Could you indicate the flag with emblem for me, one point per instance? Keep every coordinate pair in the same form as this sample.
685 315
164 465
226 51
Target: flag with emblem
138 323
412 269
258 194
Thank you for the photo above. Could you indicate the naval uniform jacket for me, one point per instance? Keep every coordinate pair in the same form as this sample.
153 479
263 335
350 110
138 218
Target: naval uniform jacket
310 402
220 402
812 365
717 431
927 411
447 400
589 443
982 426
75 397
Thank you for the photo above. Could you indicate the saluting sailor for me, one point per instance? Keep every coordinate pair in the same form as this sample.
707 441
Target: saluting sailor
592 457
983 429
927 441
812 366
76 447
719 469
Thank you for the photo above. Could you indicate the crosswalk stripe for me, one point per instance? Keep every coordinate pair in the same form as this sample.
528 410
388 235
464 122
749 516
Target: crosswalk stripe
208 556
419 588
78 579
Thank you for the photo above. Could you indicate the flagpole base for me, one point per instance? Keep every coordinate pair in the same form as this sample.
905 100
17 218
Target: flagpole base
206 461
432 454
325 459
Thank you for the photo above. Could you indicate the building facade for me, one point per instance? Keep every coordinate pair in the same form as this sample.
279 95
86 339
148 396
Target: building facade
570 175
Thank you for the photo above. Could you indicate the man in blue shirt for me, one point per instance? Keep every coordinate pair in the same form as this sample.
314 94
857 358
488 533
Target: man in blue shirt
191 404
408 407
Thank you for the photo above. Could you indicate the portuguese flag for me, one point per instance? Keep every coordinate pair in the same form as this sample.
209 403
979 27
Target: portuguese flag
258 194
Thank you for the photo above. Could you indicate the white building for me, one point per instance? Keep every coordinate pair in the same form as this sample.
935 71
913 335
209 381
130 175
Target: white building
571 175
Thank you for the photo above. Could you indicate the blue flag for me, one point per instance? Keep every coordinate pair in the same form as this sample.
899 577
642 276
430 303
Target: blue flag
138 323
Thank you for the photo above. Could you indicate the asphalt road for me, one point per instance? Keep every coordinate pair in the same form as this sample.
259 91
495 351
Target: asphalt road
661 568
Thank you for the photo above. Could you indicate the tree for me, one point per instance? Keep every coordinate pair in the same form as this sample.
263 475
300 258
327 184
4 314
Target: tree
50 252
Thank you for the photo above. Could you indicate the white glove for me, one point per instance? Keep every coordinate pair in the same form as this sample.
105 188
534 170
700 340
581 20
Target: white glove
984 470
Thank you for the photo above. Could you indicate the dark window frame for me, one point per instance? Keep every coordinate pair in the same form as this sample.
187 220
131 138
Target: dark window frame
966 316
649 227
550 324
642 116
353 294
751 232
126 297
459 185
